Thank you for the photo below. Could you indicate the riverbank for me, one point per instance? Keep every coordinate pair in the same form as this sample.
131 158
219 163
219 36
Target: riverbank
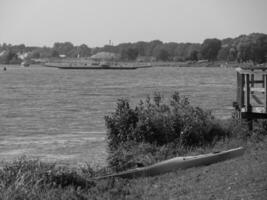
155 130
241 178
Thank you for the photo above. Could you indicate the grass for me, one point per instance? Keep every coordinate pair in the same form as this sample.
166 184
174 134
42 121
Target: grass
241 178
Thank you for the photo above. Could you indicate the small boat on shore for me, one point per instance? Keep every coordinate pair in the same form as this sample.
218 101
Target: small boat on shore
25 63
178 163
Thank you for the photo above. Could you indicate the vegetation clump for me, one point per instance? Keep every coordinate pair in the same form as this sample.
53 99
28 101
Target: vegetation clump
158 124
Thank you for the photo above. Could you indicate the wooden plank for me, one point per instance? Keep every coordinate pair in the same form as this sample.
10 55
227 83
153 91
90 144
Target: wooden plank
247 94
242 93
247 100
265 95
255 109
252 80
258 101
238 89
253 68
256 90
252 115
252 72
257 81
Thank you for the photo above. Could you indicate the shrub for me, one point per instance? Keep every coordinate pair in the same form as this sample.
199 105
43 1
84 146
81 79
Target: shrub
29 175
10 58
158 122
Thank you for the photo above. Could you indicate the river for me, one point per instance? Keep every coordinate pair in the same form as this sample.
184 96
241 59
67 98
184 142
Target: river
58 115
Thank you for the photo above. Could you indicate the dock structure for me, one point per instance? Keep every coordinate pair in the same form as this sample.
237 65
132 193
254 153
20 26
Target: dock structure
251 98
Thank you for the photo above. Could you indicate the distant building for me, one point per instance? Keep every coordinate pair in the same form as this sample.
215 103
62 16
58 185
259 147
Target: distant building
202 61
145 59
2 53
225 45
105 56
23 55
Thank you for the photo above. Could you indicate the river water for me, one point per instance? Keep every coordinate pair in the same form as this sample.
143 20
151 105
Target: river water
58 115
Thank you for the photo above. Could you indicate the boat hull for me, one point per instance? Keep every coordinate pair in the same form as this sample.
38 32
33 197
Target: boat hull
98 68
179 163
92 67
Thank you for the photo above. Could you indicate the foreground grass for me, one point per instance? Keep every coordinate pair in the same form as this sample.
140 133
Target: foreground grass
241 178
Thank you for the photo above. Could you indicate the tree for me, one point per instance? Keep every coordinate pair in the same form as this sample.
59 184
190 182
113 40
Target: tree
243 49
45 52
121 49
232 54
109 48
170 48
251 47
258 48
65 48
223 53
180 52
193 55
210 49
151 46
183 51
54 53
141 47
36 54
84 50
129 54
162 54
10 57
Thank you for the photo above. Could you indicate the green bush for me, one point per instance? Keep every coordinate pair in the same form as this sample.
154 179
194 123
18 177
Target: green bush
25 175
159 122
28 179
10 58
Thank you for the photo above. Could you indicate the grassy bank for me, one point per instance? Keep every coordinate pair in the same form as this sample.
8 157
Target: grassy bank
154 130
241 178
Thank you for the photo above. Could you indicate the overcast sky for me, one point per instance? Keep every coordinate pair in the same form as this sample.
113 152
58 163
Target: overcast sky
95 22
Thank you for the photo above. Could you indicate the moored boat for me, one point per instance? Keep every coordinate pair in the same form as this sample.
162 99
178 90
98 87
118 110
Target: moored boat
178 163
89 66
25 63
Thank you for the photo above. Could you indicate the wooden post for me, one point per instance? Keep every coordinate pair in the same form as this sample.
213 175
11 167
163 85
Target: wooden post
247 95
247 101
239 88
265 92
242 95
263 85
252 80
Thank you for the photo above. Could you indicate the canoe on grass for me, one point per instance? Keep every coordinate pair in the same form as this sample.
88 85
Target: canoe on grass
178 163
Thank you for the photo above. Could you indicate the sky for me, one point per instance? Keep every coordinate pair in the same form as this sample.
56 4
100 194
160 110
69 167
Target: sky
96 22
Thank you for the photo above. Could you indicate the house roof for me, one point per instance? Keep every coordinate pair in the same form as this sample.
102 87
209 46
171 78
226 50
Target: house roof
105 56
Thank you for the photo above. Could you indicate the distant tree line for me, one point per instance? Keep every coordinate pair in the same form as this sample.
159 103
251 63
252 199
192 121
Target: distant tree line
12 54
243 48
